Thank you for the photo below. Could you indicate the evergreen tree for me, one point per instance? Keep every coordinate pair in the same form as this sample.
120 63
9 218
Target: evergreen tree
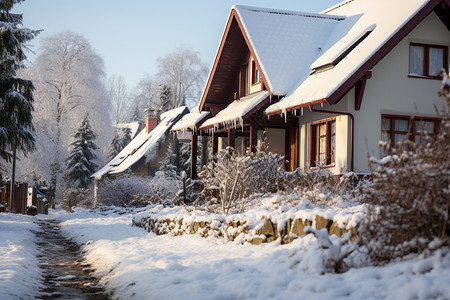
165 98
80 163
121 138
138 117
16 98
116 145
166 163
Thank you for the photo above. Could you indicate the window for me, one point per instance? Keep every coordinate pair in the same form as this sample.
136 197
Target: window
427 60
255 73
323 144
396 128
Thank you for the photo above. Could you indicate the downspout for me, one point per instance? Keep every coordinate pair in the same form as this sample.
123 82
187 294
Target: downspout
352 130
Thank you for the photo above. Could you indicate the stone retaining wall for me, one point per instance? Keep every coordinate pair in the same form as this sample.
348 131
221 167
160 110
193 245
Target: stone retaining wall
265 231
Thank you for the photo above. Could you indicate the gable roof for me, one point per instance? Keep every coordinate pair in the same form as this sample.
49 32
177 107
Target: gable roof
283 43
142 147
386 22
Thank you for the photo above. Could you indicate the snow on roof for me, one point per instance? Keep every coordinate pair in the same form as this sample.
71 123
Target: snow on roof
134 126
190 120
286 42
143 146
234 113
382 17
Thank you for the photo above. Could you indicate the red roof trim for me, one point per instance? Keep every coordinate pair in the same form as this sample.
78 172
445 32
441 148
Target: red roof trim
296 107
233 15
385 49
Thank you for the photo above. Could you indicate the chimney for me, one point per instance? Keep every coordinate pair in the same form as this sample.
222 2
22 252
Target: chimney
151 119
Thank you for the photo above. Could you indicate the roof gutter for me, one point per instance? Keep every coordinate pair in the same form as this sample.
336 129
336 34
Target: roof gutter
352 128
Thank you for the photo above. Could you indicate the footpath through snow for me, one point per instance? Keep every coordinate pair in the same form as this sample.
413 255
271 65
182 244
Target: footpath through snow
132 263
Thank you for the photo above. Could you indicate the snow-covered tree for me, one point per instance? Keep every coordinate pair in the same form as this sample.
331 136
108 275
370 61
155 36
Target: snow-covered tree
146 95
80 163
166 99
69 80
121 138
117 90
167 162
16 98
185 73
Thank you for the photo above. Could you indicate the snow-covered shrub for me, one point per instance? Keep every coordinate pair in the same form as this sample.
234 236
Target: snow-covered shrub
121 191
231 179
161 190
334 252
319 187
410 198
76 197
194 188
130 190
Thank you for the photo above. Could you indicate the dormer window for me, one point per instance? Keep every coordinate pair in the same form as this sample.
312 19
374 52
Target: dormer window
255 73
427 60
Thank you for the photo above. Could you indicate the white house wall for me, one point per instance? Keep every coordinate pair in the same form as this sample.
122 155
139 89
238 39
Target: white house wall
389 91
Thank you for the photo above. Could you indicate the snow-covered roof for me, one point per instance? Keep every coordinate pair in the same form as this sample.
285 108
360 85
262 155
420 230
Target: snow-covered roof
143 146
190 120
372 24
134 126
286 42
234 113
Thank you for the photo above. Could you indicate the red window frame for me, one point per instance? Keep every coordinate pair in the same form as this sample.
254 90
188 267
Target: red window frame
426 58
329 137
412 133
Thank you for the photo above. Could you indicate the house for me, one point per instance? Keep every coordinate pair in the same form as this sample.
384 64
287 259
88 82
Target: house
325 88
143 154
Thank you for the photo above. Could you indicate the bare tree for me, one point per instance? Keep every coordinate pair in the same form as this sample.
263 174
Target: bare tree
185 74
118 94
69 79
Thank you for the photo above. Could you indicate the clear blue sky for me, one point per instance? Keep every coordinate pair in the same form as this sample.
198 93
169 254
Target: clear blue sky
131 34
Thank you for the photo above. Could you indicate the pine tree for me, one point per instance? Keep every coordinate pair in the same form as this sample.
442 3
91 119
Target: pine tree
121 138
166 163
165 97
16 98
80 163
116 145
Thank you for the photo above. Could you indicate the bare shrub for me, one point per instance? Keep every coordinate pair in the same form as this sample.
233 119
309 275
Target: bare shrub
410 198
161 189
76 197
130 190
231 179
320 187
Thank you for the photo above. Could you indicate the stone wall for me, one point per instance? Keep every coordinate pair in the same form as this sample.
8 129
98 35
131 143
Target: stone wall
263 231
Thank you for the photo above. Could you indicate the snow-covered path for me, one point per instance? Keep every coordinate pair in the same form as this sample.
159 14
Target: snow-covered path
66 276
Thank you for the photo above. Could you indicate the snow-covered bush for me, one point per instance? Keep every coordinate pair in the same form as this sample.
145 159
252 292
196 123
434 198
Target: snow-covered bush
231 179
410 198
334 251
76 197
319 187
161 190
130 190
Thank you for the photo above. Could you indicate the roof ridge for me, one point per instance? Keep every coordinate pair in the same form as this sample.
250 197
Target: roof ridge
337 6
288 12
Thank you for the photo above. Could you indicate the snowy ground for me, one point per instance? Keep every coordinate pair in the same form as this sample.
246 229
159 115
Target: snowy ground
139 265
